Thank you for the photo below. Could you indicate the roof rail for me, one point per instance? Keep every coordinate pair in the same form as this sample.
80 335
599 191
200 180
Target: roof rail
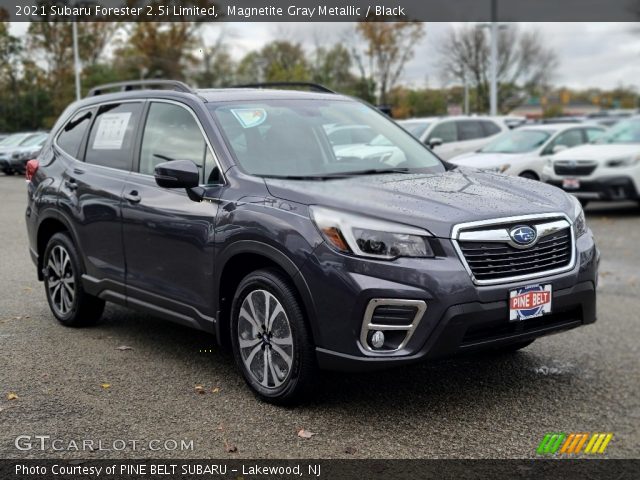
313 86
135 84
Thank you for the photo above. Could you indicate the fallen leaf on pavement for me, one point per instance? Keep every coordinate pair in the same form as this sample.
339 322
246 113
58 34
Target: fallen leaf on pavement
200 389
106 386
12 396
123 347
230 447
302 433
349 450
215 390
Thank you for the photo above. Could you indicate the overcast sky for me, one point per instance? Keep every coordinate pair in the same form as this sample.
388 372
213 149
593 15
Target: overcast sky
603 55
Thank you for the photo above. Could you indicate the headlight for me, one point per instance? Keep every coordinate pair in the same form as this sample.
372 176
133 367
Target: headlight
368 237
624 161
579 222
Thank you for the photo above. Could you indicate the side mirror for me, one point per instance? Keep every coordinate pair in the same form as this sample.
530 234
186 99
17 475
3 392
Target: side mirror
177 174
559 148
434 142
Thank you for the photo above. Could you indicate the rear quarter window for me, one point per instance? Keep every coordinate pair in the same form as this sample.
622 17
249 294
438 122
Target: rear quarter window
70 138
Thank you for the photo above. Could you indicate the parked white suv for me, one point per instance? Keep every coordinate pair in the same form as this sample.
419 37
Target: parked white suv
608 169
452 136
523 152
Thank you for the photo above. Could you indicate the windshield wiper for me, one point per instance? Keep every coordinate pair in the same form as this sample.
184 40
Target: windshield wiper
371 171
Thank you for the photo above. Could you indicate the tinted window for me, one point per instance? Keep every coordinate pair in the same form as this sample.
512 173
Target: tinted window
570 138
73 132
171 133
446 132
469 130
490 128
113 135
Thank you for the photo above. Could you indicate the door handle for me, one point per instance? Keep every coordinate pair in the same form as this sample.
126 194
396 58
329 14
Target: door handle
71 184
133 196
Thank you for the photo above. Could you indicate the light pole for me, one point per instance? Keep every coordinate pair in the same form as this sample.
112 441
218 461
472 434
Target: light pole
494 59
76 57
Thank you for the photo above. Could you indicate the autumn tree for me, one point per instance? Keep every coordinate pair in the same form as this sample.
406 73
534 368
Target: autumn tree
525 63
278 61
382 49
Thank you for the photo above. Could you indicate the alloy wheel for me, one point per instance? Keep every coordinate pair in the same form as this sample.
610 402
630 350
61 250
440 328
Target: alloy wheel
265 339
61 284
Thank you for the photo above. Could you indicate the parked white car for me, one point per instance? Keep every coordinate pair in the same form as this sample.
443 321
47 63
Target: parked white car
452 136
608 169
524 151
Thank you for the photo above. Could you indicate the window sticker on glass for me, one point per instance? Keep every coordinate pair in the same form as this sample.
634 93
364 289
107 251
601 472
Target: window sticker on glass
250 117
111 131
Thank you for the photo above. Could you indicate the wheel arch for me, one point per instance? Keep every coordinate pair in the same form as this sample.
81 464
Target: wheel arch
242 258
48 226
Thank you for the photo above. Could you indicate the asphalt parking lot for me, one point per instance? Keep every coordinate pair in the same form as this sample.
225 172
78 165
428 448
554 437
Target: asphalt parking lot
75 384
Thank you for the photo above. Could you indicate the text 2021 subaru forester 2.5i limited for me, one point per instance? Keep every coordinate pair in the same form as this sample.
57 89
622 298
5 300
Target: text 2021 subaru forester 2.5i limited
230 211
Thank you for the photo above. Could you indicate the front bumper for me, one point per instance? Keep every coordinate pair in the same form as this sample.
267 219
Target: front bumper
460 316
614 188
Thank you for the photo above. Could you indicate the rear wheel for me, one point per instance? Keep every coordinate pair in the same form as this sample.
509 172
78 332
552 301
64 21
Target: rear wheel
68 301
271 344
530 175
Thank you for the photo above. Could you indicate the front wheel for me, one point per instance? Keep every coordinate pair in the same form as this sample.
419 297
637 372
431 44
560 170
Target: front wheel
68 301
271 344
529 175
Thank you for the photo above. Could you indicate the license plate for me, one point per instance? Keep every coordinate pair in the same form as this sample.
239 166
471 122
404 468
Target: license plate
529 302
571 183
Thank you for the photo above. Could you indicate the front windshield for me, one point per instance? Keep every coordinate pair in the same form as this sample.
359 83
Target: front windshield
623 132
416 129
517 141
288 138
14 140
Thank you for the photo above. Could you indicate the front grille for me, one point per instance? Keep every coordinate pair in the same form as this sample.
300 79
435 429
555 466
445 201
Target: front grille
394 315
574 168
498 260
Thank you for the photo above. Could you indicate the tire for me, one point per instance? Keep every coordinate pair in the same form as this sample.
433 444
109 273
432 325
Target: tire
8 172
280 366
529 175
68 301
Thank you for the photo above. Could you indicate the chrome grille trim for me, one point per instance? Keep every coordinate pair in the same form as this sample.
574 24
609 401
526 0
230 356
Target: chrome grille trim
474 232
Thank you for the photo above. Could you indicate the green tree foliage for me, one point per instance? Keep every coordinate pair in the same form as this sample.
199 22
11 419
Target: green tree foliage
278 61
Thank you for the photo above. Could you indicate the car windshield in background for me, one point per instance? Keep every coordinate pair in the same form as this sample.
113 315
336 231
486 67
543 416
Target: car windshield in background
15 140
290 138
34 140
416 129
627 131
517 141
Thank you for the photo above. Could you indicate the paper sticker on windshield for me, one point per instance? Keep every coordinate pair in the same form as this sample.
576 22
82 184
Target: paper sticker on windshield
250 117
111 131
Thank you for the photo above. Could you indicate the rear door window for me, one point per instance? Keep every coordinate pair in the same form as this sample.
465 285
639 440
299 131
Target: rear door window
70 138
113 135
490 128
470 130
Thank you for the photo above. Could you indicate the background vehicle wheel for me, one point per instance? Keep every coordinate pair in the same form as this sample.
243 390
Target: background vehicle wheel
529 175
68 301
8 172
271 344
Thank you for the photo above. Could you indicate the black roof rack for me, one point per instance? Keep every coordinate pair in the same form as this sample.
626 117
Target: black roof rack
313 86
136 84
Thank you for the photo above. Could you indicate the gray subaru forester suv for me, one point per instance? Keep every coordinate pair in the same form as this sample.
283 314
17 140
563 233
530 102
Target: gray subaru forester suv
241 212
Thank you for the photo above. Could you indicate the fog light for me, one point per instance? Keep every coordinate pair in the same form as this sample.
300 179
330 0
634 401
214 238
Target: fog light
377 339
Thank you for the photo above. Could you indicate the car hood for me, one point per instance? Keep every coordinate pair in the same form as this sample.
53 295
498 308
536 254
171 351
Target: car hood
598 151
487 160
435 202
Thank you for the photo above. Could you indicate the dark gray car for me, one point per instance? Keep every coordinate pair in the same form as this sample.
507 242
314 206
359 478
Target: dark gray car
230 211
